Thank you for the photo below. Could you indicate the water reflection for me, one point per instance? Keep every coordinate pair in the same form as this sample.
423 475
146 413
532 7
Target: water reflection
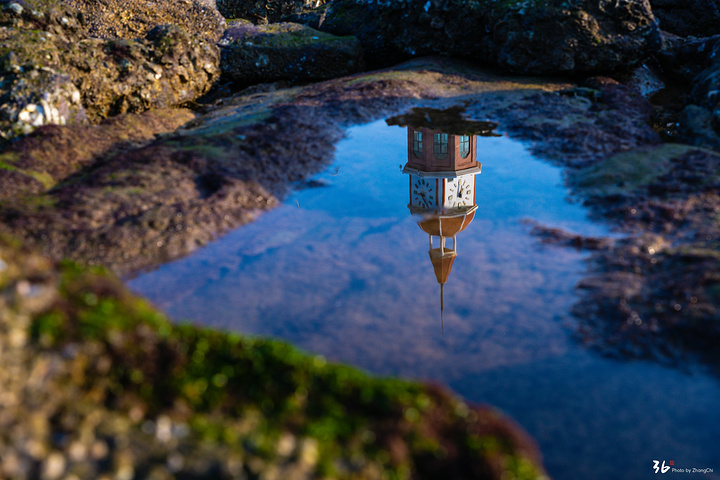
311 272
442 169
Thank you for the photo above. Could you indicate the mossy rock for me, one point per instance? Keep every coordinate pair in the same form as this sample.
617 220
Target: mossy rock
286 51
97 382
625 173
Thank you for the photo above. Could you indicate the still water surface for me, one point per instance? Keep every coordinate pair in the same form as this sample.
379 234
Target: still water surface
342 269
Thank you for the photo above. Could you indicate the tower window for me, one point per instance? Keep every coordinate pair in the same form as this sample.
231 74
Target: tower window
464 146
440 145
417 144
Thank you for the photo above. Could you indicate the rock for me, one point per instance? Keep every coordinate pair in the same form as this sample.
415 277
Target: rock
706 88
46 78
558 36
698 18
695 63
129 19
166 68
699 127
51 72
685 58
38 97
264 11
51 154
573 36
286 51
54 17
104 386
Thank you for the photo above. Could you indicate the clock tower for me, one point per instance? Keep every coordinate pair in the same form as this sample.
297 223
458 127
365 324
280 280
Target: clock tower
442 168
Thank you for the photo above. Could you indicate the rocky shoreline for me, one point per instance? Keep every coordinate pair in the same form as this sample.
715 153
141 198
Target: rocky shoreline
132 136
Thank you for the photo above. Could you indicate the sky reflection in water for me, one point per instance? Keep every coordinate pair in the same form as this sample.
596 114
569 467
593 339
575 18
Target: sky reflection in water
342 269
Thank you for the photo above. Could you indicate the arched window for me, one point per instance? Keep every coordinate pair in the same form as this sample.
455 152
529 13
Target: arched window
417 144
440 145
464 145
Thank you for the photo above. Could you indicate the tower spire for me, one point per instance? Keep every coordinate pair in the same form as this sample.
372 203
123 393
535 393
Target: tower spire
442 325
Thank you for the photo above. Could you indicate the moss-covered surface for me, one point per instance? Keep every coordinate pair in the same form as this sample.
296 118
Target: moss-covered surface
96 382
624 173
286 51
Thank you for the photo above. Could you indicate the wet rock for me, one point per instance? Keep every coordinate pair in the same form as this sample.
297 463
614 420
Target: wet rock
706 89
101 385
698 18
652 299
527 37
558 236
286 51
698 126
265 11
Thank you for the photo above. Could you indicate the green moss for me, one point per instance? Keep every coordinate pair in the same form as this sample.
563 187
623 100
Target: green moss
626 172
5 166
520 468
245 393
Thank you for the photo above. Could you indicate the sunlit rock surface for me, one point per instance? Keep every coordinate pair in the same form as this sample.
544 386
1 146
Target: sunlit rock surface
53 73
130 19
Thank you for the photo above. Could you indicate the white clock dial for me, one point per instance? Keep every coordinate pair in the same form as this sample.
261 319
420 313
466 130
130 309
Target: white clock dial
459 192
422 192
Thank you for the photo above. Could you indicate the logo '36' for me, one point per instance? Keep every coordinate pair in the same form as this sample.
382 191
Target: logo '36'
660 468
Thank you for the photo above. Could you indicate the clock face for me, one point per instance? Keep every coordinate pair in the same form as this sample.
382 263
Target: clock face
460 192
422 192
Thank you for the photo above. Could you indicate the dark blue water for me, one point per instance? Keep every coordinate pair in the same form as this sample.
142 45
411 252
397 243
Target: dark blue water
342 270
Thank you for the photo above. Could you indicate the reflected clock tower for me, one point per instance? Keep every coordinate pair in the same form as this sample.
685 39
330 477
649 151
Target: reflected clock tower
442 168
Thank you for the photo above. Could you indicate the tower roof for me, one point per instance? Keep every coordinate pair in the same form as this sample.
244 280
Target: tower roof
442 260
